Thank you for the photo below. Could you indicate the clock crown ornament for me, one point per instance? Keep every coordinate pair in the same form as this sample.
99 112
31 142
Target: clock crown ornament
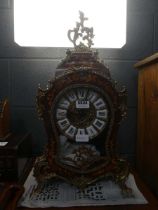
81 36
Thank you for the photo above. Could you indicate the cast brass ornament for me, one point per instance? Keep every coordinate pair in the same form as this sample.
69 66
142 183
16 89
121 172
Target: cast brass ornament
81 36
82 108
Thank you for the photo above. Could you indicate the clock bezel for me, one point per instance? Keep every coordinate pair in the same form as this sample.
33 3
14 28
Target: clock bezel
93 88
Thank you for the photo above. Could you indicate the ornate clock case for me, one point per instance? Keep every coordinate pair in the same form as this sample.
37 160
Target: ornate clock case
82 109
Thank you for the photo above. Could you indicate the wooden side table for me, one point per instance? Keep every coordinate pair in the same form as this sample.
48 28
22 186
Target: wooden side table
14 155
147 143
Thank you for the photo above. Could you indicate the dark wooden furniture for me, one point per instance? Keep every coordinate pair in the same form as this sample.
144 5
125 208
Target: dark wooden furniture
4 118
14 155
147 144
9 196
11 192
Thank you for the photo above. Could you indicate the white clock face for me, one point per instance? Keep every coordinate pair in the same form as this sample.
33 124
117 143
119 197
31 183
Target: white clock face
81 112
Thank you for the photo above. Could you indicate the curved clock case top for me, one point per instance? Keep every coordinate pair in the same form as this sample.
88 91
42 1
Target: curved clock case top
81 108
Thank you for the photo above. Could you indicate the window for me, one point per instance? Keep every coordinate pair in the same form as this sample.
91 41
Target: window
46 22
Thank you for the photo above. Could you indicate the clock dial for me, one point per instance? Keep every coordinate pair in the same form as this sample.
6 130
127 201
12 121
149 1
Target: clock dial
61 114
81 112
71 131
99 124
81 93
102 114
99 103
92 132
81 132
64 103
92 96
63 124
72 96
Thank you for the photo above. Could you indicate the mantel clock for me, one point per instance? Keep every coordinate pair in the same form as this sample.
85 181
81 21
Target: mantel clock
82 108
